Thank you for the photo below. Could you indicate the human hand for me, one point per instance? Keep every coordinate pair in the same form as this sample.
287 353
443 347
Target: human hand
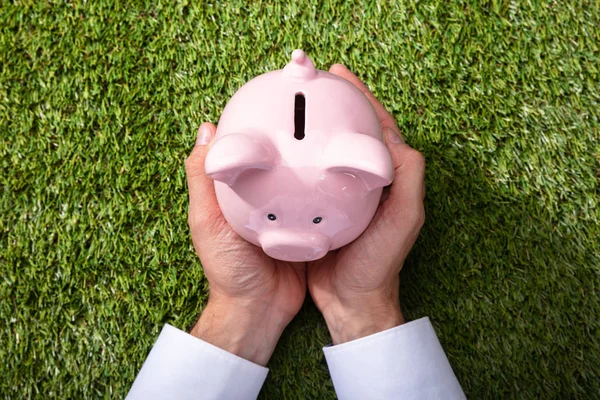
252 296
357 287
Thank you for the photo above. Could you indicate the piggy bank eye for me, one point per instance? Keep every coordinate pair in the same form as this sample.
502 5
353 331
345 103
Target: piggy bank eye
272 217
317 220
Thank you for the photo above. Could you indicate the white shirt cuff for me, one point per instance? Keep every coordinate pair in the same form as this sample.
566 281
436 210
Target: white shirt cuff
181 366
405 362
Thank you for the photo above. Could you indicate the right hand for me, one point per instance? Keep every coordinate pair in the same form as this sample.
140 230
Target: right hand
357 287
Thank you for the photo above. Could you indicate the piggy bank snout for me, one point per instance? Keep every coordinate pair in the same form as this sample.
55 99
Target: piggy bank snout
293 246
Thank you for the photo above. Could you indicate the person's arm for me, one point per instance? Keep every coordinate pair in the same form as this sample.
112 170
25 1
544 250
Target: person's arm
375 353
223 357
181 366
252 299
405 362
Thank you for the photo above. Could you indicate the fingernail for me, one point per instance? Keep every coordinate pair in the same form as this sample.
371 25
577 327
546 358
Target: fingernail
204 135
393 136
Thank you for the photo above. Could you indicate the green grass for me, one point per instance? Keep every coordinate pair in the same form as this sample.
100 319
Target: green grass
99 106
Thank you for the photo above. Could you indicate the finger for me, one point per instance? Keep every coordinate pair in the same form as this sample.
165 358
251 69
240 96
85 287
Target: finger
385 118
408 188
200 187
390 137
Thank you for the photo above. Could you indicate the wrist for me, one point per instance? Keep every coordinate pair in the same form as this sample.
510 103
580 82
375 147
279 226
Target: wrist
347 322
247 330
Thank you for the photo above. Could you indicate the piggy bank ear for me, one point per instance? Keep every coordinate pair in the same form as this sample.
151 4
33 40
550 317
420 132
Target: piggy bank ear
235 153
360 155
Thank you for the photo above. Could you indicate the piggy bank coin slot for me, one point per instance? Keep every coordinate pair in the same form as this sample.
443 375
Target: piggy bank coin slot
299 116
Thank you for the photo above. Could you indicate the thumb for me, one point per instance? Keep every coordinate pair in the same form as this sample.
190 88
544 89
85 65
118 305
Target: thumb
203 201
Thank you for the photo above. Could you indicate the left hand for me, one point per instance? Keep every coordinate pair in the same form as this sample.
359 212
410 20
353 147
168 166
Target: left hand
252 296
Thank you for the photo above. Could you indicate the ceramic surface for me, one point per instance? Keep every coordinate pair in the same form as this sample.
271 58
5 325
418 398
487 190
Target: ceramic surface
298 161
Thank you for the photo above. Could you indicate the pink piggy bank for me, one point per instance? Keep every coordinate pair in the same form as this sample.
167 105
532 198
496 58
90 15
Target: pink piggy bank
298 162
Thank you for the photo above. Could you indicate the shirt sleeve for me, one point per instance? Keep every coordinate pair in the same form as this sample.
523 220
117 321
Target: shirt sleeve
181 366
405 362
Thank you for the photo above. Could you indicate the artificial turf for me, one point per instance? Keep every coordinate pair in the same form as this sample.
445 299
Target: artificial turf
99 106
